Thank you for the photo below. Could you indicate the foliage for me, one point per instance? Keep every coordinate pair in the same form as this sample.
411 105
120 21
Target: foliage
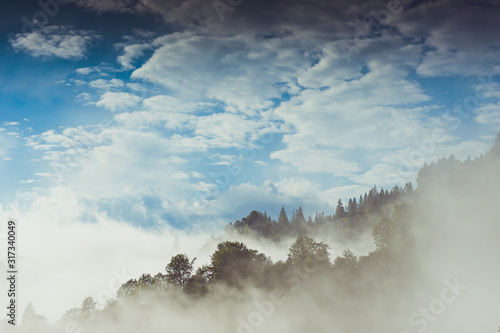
306 252
32 321
352 217
179 270
233 262
347 262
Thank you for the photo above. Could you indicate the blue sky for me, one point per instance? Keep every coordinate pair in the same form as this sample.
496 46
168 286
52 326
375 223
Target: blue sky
158 112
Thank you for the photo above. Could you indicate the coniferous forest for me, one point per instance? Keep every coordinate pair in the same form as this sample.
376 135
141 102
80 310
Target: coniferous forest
431 257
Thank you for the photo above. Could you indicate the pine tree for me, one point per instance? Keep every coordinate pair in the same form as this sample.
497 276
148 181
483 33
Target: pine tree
299 222
352 211
361 209
339 210
32 321
408 187
283 223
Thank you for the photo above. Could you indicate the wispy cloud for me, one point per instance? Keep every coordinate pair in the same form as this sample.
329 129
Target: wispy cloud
62 42
118 100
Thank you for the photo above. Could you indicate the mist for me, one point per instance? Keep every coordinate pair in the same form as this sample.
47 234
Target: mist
440 275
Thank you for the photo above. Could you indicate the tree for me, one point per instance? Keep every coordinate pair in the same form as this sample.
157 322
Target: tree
160 283
198 284
33 322
339 210
347 262
89 305
352 211
127 289
309 222
386 234
146 280
256 222
299 222
233 262
361 206
283 223
179 270
306 252
496 150
88 309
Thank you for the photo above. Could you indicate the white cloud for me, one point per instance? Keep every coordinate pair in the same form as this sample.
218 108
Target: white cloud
58 220
233 70
385 175
84 70
131 53
55 42
27 181
261 163
146 119
118 100
230 130
166 103
84 97
334 67
136 87
298 188
43 174
310 159
107 85
352 118
106 161
489 114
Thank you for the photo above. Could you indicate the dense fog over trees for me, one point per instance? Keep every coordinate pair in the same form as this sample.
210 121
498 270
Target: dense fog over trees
433 268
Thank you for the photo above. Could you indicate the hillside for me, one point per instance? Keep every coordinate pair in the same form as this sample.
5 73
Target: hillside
436 250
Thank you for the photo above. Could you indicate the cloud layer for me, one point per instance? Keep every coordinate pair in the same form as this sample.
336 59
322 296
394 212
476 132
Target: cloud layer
62 42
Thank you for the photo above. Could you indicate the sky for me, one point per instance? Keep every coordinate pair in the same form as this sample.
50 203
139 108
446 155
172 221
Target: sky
122 117
196 112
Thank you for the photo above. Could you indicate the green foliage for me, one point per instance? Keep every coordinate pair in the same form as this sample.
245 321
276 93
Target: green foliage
283 223
160 283
353 217
386 234
233 262
257 222
428 174
235 265
347 262
179 270
127 289
306 252
198 284
339 210
298 223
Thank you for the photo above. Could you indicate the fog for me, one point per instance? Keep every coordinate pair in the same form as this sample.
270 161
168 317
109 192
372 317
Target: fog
446 280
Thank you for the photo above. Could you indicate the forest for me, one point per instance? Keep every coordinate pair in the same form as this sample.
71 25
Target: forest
396 287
